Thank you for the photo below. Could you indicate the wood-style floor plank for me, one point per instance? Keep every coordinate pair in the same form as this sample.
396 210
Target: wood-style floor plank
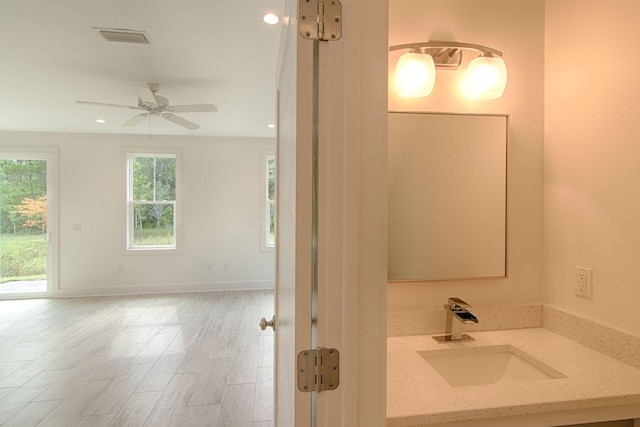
244 365
237 406
193 359
70 409
158 345
16 400
263 398
161 373
173 404
32 414
136 410
205 415
94 420
210 384
111 400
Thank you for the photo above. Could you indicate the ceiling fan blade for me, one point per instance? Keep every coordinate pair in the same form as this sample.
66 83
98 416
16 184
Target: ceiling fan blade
135 120
102 104
180 121
161 100
145 94
195 108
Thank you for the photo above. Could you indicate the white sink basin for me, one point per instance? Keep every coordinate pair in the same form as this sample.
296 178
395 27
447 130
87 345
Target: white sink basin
488 365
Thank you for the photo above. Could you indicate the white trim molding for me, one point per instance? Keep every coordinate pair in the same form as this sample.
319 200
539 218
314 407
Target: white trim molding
166 288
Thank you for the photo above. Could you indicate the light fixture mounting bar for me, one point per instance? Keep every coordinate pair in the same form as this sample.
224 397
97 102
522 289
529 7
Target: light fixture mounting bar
447 45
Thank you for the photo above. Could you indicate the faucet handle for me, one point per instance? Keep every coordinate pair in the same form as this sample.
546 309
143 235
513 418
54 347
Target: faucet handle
453 302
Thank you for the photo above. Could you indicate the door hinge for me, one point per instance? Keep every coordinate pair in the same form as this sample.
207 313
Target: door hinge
320 19
318 369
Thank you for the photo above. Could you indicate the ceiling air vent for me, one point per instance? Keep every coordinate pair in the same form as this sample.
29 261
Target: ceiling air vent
124 36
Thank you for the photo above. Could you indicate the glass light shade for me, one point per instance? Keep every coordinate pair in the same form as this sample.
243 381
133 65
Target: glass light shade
415 75
486 77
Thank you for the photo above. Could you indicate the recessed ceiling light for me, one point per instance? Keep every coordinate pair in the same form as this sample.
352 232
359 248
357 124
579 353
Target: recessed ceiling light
270 18
101 121
271 126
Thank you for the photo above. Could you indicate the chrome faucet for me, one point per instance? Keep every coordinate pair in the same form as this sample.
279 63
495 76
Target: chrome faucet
457 315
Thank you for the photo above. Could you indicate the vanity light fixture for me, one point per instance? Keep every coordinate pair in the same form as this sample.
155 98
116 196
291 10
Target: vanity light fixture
485 77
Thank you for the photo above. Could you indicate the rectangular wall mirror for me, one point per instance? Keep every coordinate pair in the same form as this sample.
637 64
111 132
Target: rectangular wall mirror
447 196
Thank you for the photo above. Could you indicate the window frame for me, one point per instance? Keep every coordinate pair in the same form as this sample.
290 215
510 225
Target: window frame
265 202
130 247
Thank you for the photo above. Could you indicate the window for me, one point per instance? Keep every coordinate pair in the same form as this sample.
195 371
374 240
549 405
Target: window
151 201
269 194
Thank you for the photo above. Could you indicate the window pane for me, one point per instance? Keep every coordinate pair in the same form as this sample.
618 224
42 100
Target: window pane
271 178
142 178
153 225
154 178
165 178
272 223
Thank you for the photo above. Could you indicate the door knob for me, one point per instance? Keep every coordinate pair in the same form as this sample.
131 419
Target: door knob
264 323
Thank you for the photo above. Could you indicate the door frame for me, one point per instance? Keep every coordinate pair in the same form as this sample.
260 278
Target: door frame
50 155
353 266
352 219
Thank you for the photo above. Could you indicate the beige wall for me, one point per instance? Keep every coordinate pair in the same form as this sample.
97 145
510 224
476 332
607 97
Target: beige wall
592 157
517 29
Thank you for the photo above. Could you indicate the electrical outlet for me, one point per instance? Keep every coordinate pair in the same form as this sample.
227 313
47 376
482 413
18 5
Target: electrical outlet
584 282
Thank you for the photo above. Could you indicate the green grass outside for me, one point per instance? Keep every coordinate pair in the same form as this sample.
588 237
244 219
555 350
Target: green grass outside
153 236
23 257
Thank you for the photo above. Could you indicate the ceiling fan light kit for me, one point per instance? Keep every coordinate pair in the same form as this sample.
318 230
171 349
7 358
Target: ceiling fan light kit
155 105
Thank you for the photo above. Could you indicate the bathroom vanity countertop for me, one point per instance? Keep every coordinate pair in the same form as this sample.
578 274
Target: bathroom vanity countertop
417 395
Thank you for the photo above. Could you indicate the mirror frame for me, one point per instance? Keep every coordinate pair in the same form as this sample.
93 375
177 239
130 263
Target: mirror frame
506 201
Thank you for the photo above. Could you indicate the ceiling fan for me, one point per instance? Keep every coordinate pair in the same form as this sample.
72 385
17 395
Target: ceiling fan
155 105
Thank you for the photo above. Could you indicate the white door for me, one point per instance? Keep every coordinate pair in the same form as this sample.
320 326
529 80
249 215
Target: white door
28 253
351 299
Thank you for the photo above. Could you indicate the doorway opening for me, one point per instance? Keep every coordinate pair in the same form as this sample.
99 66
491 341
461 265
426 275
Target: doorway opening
26 259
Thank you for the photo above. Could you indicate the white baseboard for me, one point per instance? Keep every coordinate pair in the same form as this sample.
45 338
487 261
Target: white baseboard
162 289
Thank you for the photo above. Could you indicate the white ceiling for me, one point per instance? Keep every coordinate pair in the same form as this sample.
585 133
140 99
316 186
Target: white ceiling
203 51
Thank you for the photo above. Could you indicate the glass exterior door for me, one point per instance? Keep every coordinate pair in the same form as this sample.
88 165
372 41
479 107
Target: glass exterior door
25 212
